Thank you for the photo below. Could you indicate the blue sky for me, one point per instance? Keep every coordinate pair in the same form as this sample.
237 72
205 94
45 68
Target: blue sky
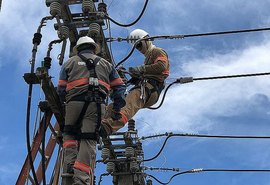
221 107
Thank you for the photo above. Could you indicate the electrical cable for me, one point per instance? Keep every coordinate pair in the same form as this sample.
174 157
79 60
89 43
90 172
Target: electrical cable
230 76
110 45
159 37
183 80
134 22
163 97
169 135
100 177
36 42
207 170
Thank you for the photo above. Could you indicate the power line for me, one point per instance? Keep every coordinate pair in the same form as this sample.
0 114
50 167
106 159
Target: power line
159 37
169 135
208 170
183 80
134 22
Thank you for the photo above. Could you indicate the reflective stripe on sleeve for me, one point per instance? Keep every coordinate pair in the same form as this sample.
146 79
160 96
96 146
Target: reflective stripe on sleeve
124 118
82 167
117 81
162 59
62 83
166 72
104 84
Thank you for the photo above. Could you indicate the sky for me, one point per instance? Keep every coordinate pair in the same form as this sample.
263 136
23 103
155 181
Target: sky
217 107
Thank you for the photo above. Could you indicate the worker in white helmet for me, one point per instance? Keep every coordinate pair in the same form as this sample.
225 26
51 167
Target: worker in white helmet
84 83
148 80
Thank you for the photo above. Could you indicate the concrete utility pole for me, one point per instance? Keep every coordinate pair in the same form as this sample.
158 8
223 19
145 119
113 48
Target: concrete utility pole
123 155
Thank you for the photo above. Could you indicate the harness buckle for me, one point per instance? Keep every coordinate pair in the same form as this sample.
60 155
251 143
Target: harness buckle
93 81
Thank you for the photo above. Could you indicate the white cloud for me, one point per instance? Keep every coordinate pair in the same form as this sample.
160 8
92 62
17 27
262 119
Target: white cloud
187 107
17 29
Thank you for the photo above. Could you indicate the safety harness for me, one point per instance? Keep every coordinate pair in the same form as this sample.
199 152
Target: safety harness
145 91
92 95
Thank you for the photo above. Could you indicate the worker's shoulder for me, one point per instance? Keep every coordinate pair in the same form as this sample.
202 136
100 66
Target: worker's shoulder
104 61
71 60
158 51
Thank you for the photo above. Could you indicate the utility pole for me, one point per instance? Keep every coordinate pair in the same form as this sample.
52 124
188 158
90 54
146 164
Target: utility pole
122 152
69 27
123 155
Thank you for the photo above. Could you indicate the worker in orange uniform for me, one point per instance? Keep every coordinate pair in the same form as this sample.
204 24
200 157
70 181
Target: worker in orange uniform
148 80
84 83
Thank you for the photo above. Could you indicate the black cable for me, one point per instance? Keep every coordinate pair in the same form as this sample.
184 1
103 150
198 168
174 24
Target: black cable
100 177
28 109
110 45
36 42
207 170
197 135
163 98
186 36
206 136
191 79
230 76
43 149
134 22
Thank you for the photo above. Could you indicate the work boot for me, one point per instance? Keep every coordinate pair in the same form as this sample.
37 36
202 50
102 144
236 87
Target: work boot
105 129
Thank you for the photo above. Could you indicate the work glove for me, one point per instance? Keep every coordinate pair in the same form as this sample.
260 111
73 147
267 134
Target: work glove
136 71
116 114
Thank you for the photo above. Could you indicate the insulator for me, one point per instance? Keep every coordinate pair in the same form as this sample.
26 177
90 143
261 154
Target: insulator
110 167
55 8
47 62
105 153
63 32
94 29
134 166
102 7
37 38
129 152
88 6
94 180
149 182
131 125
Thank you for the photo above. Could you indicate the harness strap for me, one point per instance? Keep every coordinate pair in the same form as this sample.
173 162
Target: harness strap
72 130
93 95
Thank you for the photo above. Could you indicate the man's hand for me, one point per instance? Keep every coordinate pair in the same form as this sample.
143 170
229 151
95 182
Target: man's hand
136 71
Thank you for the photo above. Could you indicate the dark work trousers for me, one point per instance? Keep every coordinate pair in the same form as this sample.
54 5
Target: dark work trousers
80 156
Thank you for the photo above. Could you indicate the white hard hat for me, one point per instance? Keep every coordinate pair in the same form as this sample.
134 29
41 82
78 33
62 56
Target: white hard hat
136 35
86 40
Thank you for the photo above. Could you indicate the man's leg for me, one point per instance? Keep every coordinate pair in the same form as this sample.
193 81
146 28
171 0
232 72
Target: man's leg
70 142
133 105
85 163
